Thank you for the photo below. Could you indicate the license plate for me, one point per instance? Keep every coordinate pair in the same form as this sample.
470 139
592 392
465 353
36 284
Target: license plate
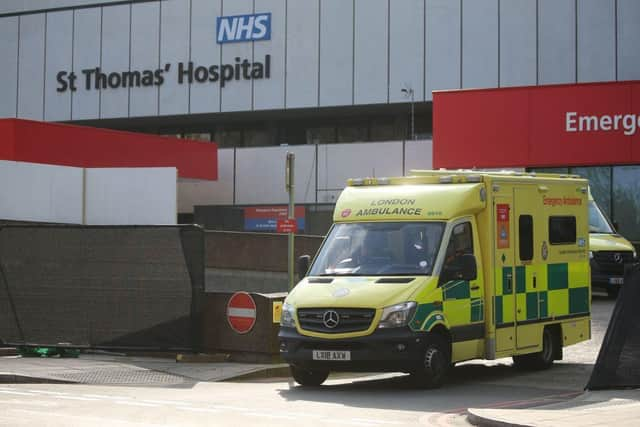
331 355
616 280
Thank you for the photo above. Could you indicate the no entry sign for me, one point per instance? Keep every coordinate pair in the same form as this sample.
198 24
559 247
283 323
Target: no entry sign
241 312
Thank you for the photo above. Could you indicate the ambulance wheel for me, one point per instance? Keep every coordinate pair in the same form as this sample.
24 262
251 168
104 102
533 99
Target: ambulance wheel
543 359
435 364
308 378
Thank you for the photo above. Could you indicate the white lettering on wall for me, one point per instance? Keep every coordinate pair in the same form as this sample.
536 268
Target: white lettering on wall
627 123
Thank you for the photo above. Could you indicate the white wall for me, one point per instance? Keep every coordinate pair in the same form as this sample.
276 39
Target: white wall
34 192
130 196
117 196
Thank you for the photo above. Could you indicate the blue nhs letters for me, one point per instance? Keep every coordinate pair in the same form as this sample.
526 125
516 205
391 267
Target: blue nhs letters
244 28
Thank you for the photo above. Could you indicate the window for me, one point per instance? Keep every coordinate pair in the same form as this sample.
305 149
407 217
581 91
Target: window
460 244
321 135
379 248
525 237
626 200
200 136
562 230
600 184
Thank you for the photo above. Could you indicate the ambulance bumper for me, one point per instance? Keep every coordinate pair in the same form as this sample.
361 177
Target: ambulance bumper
386 350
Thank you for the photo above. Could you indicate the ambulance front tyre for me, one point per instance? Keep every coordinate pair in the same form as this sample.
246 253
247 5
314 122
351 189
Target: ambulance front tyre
435 364
308 378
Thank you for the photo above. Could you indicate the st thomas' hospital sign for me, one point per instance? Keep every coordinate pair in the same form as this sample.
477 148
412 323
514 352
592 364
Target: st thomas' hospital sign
230 29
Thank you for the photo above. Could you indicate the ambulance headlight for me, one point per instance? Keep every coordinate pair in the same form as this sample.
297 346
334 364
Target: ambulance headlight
397 315
635 256
590 254
286 318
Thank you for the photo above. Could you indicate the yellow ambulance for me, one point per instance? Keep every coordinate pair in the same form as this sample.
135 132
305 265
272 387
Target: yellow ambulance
609 252
420 272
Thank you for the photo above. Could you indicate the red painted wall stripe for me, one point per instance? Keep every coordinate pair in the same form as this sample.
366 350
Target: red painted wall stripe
527 126
67 145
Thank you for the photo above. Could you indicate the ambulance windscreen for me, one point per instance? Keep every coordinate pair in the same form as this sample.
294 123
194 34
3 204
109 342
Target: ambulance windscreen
379 248
598 223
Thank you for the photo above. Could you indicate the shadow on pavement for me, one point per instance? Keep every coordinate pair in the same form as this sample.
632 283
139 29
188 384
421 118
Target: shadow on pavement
470 385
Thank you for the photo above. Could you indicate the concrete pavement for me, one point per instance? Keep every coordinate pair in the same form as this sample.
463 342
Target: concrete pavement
593 408
129 370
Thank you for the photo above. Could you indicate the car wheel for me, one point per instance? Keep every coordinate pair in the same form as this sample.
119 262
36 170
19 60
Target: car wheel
435 364
308 378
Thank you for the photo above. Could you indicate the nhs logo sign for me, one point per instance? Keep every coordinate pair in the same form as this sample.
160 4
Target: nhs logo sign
244 28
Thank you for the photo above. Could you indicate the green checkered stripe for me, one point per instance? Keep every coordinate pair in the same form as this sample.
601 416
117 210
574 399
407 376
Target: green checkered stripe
467 309
562 290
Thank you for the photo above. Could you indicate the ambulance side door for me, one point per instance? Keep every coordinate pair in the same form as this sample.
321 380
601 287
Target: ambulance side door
529 268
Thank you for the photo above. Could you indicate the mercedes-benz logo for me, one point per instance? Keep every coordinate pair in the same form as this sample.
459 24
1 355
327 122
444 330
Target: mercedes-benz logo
331 318
617 258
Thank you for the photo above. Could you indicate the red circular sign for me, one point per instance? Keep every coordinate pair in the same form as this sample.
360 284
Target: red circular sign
241 312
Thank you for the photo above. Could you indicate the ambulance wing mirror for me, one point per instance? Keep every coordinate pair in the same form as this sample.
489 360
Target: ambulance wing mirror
468 267
303 265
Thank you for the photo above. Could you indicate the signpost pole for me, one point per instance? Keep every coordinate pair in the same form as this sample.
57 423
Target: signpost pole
289 182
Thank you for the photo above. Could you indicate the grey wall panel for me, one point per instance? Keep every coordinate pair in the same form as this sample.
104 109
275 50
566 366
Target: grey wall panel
406 49
557 41
85 104
9 66
596 41
479 43
628 40
339 162
302 53
114 102
236 94
518 43
371 73
59 57
269 93
31 67
418 155
174 48
205 52
336 52
442 46
257 184
16 6
145 55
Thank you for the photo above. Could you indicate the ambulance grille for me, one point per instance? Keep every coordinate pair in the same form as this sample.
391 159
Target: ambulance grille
612 262
349 319
613 257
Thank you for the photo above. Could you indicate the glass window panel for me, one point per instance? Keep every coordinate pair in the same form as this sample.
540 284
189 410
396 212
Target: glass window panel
256 138
562 230
383 130
204 136
600 184
323 135
525 226
626 201
352 133
228 138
